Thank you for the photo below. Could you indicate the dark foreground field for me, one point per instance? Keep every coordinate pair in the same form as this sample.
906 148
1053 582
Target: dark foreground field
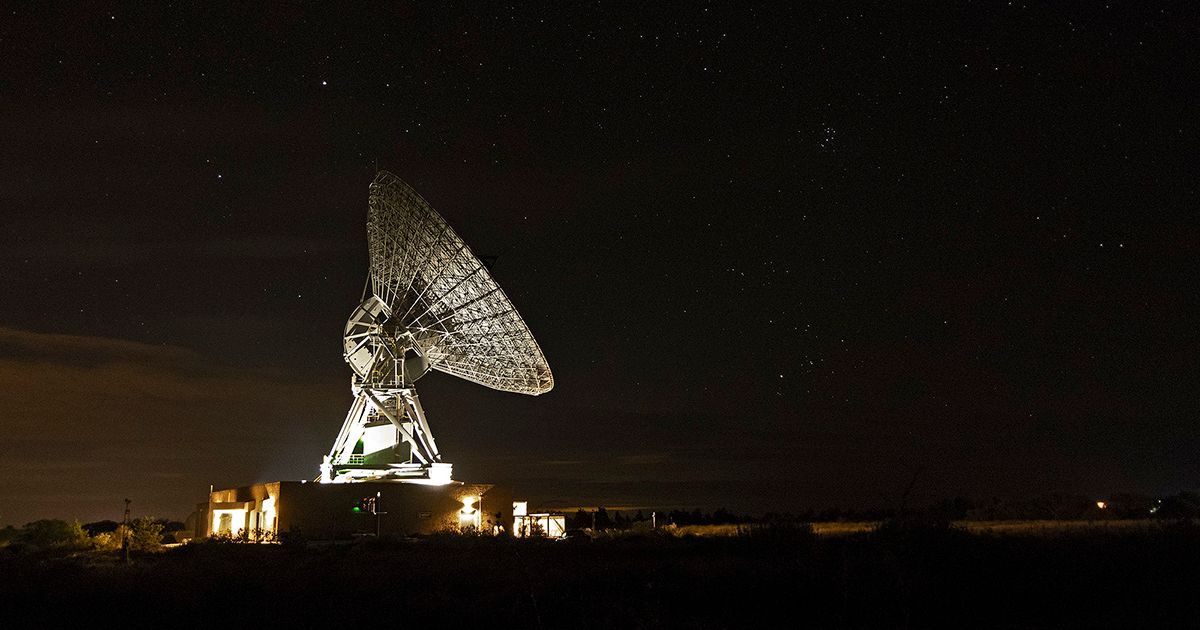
893 578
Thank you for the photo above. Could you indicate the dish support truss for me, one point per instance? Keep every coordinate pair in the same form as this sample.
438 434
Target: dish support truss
385 438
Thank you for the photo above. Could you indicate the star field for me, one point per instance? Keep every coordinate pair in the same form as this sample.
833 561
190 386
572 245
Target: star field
775 255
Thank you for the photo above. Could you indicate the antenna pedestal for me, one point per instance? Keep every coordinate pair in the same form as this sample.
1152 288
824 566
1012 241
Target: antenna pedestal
385 438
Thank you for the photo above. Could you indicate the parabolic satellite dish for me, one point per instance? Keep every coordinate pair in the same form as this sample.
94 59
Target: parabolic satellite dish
432 306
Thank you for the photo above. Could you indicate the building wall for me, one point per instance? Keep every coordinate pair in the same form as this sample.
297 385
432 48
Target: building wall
325 511
257 506
496 509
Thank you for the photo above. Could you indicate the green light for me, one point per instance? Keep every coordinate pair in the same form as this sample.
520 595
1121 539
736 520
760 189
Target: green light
356 509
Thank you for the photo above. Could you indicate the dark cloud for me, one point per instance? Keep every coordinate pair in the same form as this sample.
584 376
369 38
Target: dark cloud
95 251
111 418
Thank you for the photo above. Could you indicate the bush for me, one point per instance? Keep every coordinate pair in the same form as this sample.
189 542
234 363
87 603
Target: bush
244 536
111 540
292 539
8 535
146 535
54 534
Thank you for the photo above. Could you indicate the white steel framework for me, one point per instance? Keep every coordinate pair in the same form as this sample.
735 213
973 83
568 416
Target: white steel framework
432 305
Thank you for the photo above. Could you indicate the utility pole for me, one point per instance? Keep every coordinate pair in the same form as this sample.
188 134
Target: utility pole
125 535
378 496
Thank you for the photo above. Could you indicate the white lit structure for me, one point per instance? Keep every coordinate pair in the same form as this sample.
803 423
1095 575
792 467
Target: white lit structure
252 518
432 305
471 514
543 524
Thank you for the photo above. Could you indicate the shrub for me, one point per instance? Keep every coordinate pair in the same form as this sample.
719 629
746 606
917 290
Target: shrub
8 535
292 539
111 540
146 535
54 534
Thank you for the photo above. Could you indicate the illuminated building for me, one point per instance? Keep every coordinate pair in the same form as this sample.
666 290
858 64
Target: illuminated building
316 511
539 524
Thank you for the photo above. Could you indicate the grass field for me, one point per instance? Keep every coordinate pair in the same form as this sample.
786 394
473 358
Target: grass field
836 528
1046 574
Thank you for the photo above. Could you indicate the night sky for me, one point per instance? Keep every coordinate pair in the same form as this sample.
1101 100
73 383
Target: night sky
778 258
